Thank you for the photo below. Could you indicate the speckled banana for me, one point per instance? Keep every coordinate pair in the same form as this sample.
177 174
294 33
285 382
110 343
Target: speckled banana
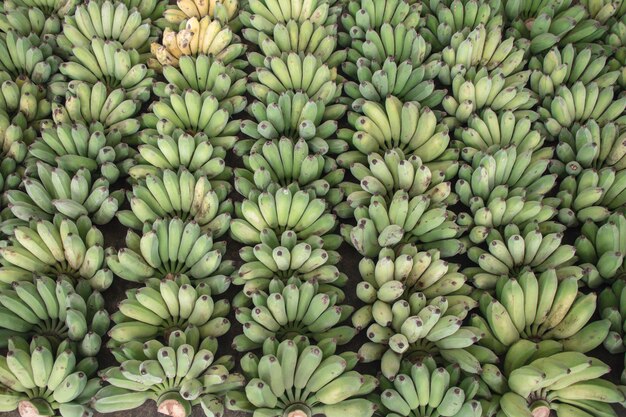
297 378
66 316
203 36
175 375
164 306
223 11
419 329
100 109
171 247
516 250
300 308
286 209
108 62
57 248
52 191
36 380
423 390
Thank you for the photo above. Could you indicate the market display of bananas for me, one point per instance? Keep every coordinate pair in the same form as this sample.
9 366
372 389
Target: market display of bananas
37 380
298 378
57 248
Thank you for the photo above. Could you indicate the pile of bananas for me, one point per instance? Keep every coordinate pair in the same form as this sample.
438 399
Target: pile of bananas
471 152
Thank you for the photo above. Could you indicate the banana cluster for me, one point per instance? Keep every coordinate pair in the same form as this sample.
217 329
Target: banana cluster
611 305
223 11
393 279
76 147
601 248
568 383
150 9
541 308
169 247
39 380
264 15
421 328
284 257
423 390
163 306
100 109
204 36
515 250
175 375
297 378
364 15
28 20
299 308
66 316
287 209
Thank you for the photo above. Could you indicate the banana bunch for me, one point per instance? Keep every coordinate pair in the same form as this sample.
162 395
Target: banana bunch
57 248
388 283
550 24
422 390
282 258
412 129
27 21
283 163
407 80
602 11
483 51
286 209
388 173
49 7
421 328
601 249
52 191
150 9
502 175
486 91
97 107
168 194
294 115
107 20
294 72
362 16
203 36
444 20
108 62
618 63
38 380
541 308
298 309
566 66
490 131
195 112
171 247
517 250
75 147
591 195
164 306
296 378
67 316
612 307
264 15
568 383
205 73
33 60
590 146
420 220
179 151
578 105
224 11
177 376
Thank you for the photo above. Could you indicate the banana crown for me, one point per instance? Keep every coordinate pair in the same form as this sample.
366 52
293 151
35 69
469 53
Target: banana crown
295 376
68 316
423 390
38 380
223 11
567 382
517 250
61 247
601 248
418 328
169 247
286 209
164 306
300 308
